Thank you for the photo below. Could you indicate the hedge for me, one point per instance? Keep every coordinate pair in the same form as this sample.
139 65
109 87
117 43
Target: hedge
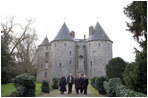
110 86
25 86
93 82
99 84
55 82
123 91
45 86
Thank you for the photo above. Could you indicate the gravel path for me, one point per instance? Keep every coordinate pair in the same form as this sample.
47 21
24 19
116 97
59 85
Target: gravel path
56 93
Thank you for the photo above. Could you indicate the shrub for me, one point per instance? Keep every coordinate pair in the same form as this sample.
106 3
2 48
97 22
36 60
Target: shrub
123 91
25 86
93 81
128 76
45 86
19 92
55 83
111 86
105 86
99 84
134 78
115 68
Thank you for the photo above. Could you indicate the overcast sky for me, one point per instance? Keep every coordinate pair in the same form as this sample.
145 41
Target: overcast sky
80 14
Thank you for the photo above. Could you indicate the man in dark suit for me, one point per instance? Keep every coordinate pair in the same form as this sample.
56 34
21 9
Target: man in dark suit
81 83
85 84
70 81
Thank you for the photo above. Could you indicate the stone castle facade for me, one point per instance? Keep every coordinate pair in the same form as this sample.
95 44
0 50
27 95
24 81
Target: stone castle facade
65 54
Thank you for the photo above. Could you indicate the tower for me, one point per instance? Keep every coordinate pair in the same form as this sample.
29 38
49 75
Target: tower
63 53
99 51
44 61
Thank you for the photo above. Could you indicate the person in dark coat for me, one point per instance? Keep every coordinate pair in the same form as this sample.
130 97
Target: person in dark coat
70 82
62 84
77 84
81 82
85 84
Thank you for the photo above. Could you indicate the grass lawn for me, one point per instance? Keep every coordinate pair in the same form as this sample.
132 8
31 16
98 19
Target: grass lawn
94 92
38 89
7 89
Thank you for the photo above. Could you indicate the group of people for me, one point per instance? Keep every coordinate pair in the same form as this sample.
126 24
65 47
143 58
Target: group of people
81 83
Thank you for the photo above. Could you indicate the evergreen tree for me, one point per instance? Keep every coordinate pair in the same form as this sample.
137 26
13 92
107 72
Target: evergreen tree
137 12
115 68
5 63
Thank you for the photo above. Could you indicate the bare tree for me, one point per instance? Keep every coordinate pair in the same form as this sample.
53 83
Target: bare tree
20 41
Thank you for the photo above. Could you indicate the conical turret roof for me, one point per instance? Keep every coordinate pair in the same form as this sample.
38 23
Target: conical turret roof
45 41
98 33
64 34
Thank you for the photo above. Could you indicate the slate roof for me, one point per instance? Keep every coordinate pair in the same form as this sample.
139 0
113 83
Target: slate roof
45 41
64 34
98 34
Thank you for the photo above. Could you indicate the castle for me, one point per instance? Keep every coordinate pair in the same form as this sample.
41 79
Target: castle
65 54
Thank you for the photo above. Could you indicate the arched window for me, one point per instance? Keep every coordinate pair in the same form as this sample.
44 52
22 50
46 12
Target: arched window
60 64
91 63
94 53
46 64
99 44
47 54
45 74
70 53
89 45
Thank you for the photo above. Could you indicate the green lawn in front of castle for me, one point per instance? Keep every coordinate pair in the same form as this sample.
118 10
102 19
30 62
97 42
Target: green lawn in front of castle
7 89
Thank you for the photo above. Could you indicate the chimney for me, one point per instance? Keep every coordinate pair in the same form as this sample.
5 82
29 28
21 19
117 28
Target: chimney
91 29
84 37
72 34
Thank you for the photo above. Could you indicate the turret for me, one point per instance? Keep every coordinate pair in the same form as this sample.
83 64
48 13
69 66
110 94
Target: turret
63 53
99 51
44 61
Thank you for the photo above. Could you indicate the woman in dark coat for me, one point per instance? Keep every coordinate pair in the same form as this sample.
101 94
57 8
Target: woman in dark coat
62 84
77 84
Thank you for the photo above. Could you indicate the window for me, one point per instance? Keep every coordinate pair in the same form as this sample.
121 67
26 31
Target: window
46 48
84 62
91 63
83 46
60 64
99 44
46 64
94 53
70 62
45 74
55 45
89 45
47 54
65 44
70 53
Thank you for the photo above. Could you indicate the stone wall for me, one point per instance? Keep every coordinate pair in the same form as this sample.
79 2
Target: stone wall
43 69
63 58
98 55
